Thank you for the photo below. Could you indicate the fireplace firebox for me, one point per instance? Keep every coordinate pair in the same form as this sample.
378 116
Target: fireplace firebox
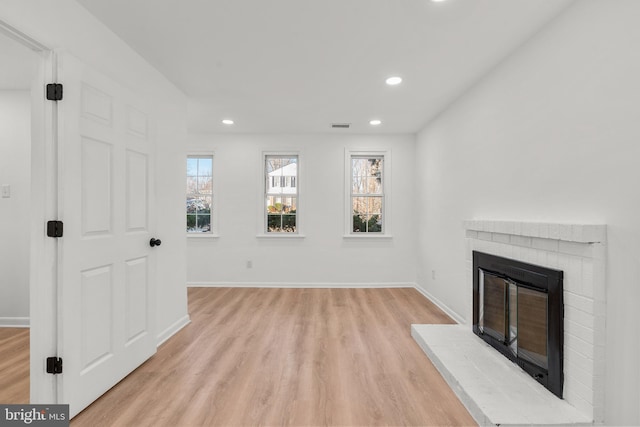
518 310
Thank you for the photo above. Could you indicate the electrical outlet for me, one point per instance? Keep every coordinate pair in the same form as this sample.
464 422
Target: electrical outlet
6 191
433 274
249 264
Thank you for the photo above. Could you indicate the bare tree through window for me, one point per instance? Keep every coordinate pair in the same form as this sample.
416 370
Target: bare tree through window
367 196
199 193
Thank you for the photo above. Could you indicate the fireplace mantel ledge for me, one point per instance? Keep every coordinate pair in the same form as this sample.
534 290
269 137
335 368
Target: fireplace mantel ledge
578 233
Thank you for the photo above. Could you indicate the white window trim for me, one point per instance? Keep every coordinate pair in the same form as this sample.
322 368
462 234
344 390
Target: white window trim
214 196
262 215
386 190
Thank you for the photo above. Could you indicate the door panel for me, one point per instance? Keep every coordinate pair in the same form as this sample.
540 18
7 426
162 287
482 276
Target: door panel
137 172
97 291
136 288
97 105
106 326
137 122
96 187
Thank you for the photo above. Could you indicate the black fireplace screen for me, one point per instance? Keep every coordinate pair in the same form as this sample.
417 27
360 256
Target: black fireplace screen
518 310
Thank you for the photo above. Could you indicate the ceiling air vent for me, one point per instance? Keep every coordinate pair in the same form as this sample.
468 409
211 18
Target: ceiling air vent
340 125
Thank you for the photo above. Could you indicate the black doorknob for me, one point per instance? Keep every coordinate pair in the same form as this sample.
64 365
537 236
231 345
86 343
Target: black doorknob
155 242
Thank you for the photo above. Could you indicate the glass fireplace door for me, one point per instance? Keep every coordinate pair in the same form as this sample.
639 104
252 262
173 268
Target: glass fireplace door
532 324
514 315
493 306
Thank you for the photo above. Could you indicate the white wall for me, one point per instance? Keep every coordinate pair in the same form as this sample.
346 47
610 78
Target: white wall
67 26
552 134
323 257
15 171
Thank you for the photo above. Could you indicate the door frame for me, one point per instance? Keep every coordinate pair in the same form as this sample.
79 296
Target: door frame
43 262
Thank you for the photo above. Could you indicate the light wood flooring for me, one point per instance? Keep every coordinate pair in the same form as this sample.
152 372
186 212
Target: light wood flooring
288 357
14 365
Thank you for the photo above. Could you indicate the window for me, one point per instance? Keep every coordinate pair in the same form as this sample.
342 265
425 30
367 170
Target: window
366 193
199 193
281 194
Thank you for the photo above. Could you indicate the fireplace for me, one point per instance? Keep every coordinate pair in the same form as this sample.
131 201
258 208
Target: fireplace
518 309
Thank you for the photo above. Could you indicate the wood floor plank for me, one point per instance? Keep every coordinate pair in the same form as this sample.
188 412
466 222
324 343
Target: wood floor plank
289 357
14 365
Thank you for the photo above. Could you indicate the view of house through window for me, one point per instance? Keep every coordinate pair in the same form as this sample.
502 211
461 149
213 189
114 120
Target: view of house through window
199 193
367 195
281 193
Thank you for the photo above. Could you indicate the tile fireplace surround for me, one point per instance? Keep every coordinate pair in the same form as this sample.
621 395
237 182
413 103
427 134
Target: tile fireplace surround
580 251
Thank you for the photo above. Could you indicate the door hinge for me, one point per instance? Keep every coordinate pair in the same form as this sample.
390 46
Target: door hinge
54 365
54 92
55 228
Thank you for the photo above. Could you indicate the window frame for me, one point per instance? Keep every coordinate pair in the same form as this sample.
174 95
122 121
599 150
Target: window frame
263 213
214 192
386 193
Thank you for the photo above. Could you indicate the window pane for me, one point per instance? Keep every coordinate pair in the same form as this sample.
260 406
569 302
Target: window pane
274 164
192 185
366 176
292 167
192 167
281 191
289 223
359 223
199 200
358 185
274 204
273 185
367 223
191 223
358 167
204 166
374 205
192 205
204 185
374 167
289 204
203 223
278 166
203 204
374 224
360 205
367 190
374 185
274 223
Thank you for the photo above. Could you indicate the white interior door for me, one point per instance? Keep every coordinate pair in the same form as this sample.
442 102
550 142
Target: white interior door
106 283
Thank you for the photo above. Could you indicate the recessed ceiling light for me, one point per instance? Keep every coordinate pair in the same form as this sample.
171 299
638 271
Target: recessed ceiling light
375 122
227 121
438 1
392 81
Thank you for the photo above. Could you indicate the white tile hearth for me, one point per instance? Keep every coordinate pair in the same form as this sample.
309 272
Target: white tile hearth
494 390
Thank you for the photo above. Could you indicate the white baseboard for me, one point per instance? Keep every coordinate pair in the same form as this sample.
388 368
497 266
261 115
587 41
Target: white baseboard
442 306
14 322
319 285
173 329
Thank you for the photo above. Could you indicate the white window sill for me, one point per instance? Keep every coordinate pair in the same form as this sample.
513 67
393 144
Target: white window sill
367 236
280 236
202 235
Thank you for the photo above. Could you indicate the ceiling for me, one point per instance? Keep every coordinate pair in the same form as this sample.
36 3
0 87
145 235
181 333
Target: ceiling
295 66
